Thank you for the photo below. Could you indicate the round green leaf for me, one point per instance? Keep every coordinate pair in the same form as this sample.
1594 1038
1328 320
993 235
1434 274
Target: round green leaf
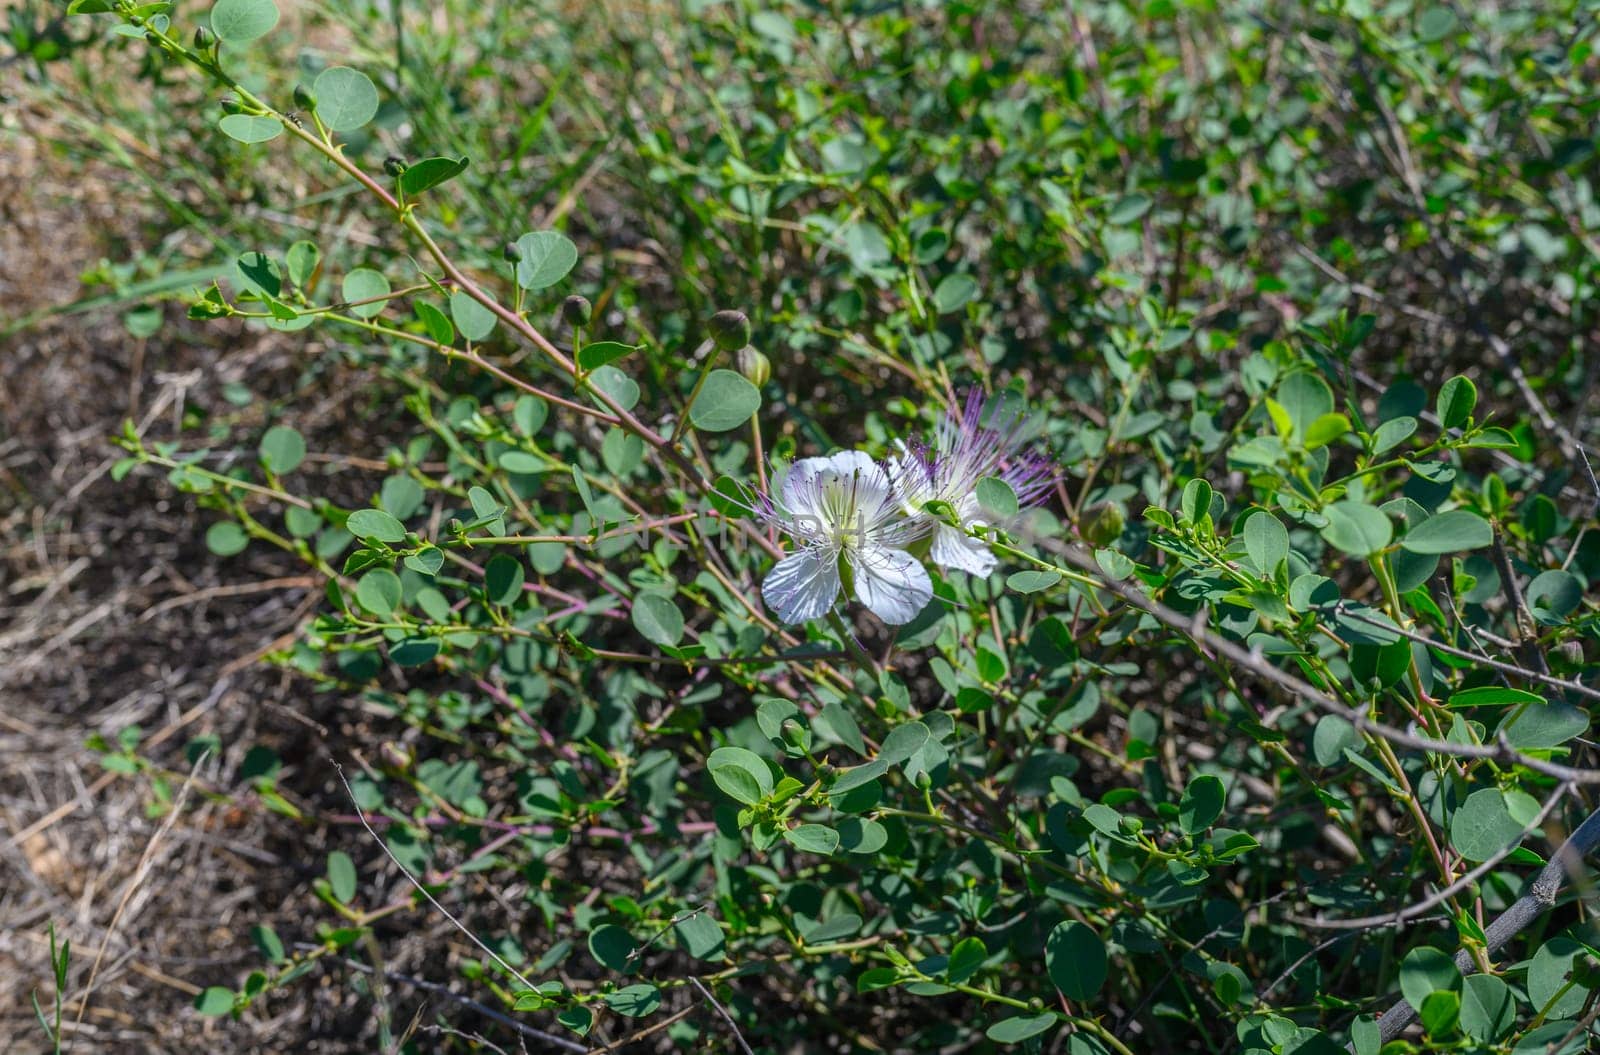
1488 1010
611 946
1548 973
657 618
214 1001
1425 971
241 21
1267 541
1449 532
414 651
623 390
379 592
1482 826
282 449
1357 528
726 401
996 497
225 538
742 774
1076 959
503 578
813 838
346 98
375 523
1554 595
954 292
902 742
365 284
473 320
544 258
701 937
634 1001
1202 804
1032 580
250 128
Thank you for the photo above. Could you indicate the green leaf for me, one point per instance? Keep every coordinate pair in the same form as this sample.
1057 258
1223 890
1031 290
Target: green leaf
1032 581
375 524
1306 397
1435 24
1202 804
365 284
954 292
414 651
902 742
1425 971
1549 971
1357 528
258 273
996 497
657 619
1553 595
612 947
241 21
1365 1036
429 173
503 577
1449 532
577 1019
521 462
282 449
1325 429
1128 209
346 98
1457 398
740 773
250 128
1018 1028
1440 1012
529 414
1076 959
634 1001
434 321
1392 433
726 401
379 592
544 258
1488 1010
473 320
594 356
622 389
225 538
1266 540
965 959
213 1001
302 258
341 876
701 937
813 838
1482 826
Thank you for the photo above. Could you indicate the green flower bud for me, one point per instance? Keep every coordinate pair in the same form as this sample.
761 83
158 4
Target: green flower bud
577 311
203 38
794 734
303 98
230 104
1102 523
756 368
394 166
924 781
510 253
730 330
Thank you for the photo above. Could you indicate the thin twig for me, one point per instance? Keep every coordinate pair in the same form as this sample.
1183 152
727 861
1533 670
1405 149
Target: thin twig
705 992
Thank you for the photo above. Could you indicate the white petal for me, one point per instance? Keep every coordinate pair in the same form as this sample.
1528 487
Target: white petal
953 549
799 488
804 585
891 583
848 463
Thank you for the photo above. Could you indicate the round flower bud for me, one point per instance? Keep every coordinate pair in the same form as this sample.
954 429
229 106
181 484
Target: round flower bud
730 330
230 104
577 311
510 253
924 781
756 368
303 98
203 38
394 166
1102 523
